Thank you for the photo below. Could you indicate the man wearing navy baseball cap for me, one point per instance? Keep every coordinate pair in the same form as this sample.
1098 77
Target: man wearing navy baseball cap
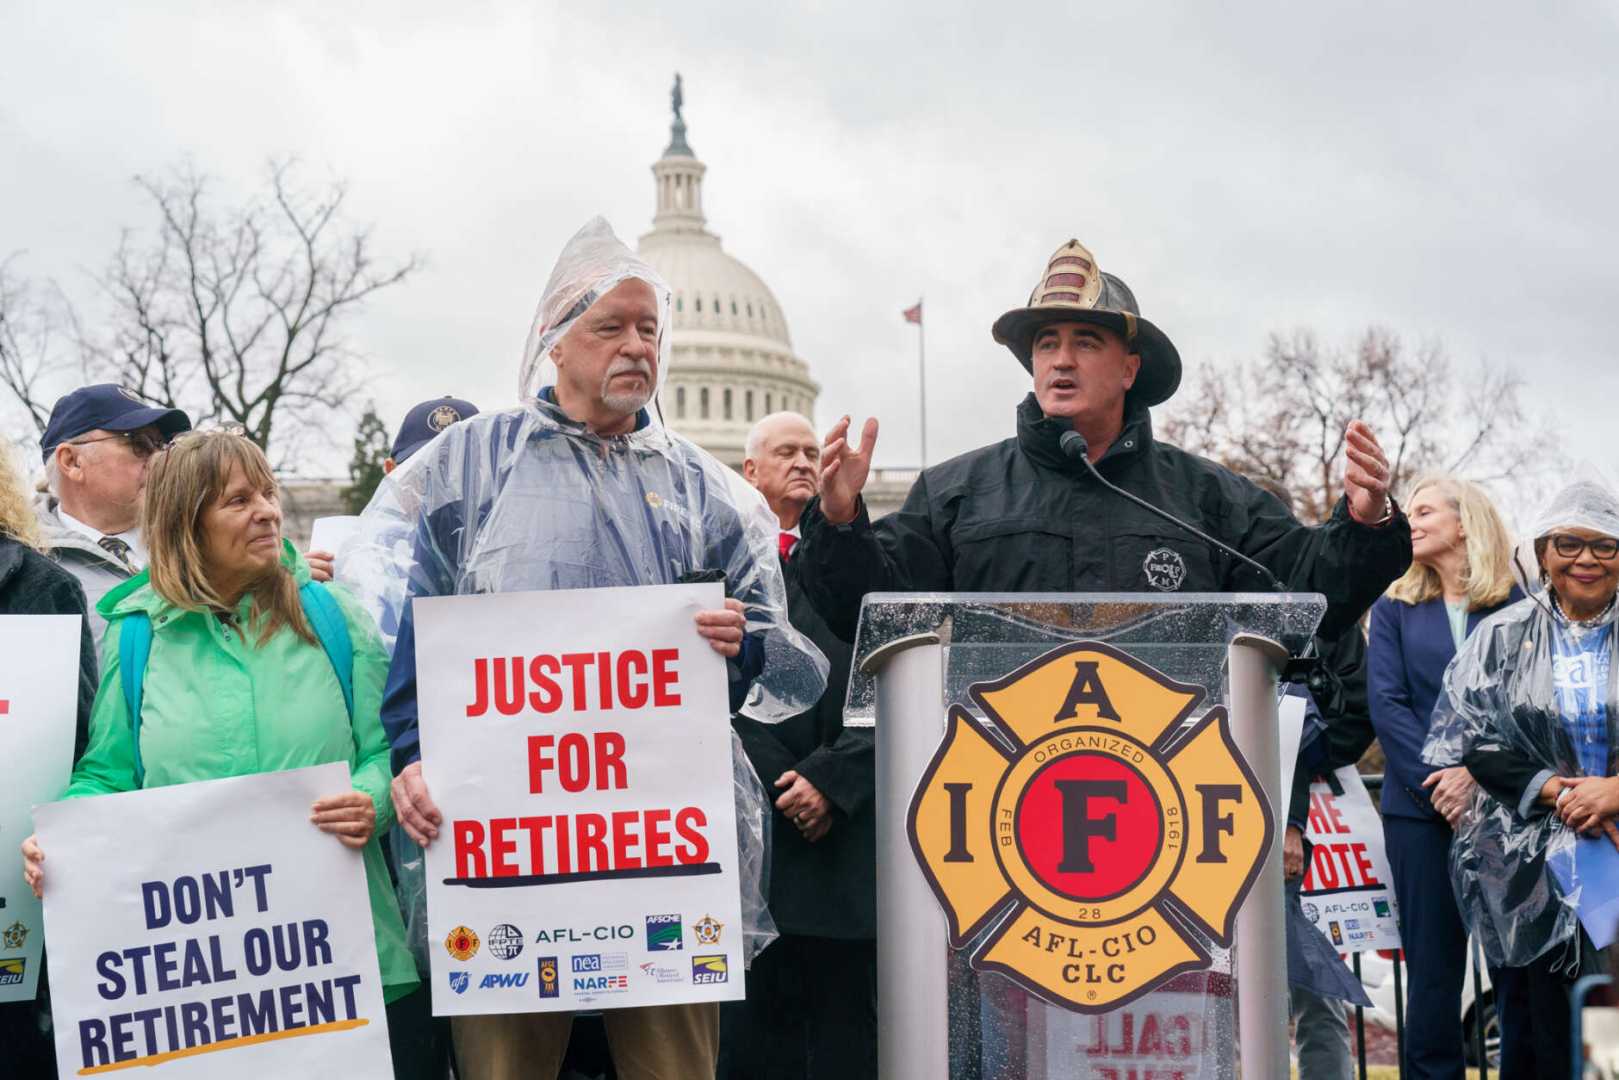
96 447
422 423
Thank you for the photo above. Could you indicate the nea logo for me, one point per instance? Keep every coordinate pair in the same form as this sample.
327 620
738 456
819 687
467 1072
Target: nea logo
1090 825
504 981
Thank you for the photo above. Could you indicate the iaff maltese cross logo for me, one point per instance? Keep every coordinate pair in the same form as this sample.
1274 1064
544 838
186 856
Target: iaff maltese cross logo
1096 835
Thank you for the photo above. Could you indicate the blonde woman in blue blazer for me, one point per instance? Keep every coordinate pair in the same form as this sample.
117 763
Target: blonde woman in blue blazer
1460 574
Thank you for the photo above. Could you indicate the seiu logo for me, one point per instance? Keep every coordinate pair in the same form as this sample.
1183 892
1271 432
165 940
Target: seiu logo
505 981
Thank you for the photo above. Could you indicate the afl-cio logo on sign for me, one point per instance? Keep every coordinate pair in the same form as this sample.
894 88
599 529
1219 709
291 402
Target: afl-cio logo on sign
1101 836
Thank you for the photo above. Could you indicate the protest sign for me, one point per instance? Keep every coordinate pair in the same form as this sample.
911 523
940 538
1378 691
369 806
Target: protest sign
578 744
331 533
210 929
1348 892
39 701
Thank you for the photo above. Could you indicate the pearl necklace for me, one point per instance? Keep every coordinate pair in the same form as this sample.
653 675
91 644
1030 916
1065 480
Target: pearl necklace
1583 624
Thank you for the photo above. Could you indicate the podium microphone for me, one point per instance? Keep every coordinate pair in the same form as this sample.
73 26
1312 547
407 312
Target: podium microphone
1074 446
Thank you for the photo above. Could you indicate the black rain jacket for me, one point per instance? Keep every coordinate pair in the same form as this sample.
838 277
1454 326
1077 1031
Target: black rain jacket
1020 516
828 888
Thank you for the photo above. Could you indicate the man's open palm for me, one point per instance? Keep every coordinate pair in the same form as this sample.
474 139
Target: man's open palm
844 470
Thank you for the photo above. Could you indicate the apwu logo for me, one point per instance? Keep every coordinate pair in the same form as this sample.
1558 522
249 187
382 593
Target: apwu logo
506 980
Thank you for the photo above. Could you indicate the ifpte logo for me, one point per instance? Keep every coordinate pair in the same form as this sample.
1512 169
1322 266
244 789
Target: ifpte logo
505 941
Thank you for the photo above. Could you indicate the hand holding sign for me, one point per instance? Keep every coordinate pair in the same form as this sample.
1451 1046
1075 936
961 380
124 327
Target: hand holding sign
351 817
723 629
33 867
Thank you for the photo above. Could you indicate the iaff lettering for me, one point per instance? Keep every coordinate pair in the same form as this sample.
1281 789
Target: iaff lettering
631 679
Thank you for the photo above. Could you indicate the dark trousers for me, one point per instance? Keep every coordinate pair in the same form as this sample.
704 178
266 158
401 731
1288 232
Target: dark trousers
1435 943
419 1041
1536 1018
810 1014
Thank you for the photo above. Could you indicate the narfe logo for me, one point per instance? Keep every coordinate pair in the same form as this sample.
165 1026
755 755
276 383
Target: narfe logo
1089 826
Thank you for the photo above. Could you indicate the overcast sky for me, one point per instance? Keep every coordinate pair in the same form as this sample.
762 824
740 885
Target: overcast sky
1443 169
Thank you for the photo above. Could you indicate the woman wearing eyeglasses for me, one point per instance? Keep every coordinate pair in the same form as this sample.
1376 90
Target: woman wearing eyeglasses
1529 706
248 668
97 446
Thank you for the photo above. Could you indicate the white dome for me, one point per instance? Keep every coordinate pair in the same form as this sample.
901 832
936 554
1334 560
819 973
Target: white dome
732 358
712 290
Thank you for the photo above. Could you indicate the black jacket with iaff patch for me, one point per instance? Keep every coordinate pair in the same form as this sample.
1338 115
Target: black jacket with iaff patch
1020 516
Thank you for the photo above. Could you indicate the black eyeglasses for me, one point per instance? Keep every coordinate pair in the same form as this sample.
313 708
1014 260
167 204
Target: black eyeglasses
1569 547
142 442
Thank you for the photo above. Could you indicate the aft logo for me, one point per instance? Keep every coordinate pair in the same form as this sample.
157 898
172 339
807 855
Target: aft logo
506 980
1095 831
709 970
12 970
664 933
550 984
707 930
459 981
505 941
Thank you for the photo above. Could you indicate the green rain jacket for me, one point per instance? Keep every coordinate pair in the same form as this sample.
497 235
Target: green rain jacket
214 705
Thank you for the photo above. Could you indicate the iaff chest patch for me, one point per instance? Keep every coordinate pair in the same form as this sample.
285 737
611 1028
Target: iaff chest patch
1098 839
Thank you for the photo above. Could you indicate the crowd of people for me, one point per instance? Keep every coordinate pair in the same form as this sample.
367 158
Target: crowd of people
213 648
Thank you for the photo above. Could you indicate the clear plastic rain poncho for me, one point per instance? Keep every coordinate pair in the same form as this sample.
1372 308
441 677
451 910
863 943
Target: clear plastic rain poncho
1508 691
529 499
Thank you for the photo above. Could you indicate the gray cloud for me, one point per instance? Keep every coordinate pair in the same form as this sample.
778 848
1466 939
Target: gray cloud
1445 169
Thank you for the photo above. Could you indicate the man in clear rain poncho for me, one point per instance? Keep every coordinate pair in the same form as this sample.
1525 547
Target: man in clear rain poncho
1530 705
582 487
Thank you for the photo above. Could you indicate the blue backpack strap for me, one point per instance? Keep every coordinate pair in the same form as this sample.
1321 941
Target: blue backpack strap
326 618
134 648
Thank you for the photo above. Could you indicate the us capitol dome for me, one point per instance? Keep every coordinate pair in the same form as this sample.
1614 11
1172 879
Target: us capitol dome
733 359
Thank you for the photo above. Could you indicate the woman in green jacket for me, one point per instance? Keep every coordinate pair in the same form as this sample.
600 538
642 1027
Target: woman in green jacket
237 681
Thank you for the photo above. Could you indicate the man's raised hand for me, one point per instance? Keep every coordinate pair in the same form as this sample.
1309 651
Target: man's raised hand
1367 475
844 470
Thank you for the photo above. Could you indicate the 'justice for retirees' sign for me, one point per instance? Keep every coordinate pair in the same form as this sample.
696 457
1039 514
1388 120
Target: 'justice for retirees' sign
578 744
1088 828
208 929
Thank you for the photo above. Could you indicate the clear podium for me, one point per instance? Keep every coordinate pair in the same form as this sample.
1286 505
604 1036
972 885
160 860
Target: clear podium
979 982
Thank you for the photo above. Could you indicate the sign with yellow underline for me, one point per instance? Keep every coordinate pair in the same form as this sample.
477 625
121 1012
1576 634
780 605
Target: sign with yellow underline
1092 833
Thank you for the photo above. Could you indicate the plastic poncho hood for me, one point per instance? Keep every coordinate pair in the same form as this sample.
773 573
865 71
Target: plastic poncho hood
1501 694
531 499
593 264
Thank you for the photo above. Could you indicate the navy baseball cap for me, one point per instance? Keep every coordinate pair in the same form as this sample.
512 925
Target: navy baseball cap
425 421
109 407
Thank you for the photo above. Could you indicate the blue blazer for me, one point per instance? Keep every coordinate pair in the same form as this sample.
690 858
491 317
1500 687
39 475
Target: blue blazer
1408 649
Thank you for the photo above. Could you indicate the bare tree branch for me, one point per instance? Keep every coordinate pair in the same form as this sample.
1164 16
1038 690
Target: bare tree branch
238 313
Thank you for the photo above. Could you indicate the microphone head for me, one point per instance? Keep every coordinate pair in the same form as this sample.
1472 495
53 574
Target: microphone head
1074 445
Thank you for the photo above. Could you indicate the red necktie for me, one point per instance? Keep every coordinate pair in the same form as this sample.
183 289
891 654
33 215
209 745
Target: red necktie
785 543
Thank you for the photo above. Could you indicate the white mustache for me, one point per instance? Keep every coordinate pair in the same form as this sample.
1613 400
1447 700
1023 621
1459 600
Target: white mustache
628 367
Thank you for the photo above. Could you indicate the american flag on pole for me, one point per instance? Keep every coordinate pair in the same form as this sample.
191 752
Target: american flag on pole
914 314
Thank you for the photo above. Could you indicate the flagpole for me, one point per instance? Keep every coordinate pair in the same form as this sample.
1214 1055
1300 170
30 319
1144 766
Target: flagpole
922 374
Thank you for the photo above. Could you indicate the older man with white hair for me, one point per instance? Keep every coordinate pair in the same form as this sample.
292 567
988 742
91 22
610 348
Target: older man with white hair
96 446
811 1009
581 487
